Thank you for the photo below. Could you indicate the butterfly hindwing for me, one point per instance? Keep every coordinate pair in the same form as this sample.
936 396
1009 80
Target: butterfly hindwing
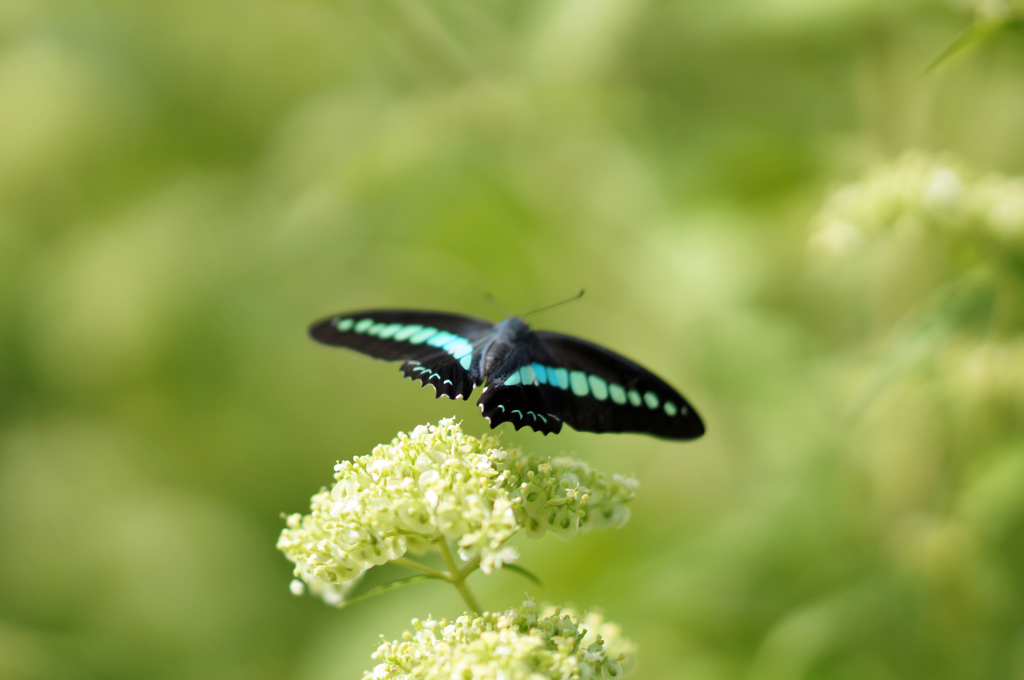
522 405
590 388
444 373
506 399
436 348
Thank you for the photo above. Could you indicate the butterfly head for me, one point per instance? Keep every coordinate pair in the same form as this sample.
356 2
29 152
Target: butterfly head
512 329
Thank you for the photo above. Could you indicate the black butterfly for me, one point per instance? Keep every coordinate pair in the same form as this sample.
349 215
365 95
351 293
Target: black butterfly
533 378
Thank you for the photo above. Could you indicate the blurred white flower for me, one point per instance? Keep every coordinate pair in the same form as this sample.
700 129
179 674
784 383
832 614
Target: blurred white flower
438 484
835 237
919 191
988 9
942 190
525 643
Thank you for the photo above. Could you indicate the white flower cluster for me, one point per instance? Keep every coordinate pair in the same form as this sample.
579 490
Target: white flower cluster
985 373
992 9
529 643
920 191
438 484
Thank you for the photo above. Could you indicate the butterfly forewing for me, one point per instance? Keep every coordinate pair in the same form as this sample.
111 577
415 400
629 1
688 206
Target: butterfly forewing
436 348
591 389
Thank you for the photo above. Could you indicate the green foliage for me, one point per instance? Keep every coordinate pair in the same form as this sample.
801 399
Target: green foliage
185 185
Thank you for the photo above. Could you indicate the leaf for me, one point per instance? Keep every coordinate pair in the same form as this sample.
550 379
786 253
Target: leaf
980 32
523 572
951 307
386 587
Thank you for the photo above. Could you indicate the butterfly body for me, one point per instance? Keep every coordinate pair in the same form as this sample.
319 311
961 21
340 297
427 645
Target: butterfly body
499 345
531 378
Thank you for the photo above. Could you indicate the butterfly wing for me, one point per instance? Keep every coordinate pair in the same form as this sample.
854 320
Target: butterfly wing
436 348
588 387
513 393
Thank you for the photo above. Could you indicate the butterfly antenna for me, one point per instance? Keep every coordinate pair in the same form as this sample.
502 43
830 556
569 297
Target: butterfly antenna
572 299
494 303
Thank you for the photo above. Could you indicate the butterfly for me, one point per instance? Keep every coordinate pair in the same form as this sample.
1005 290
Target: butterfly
531 378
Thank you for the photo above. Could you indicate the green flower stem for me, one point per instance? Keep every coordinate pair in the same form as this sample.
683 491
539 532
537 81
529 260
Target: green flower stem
429 571
457 578
470 567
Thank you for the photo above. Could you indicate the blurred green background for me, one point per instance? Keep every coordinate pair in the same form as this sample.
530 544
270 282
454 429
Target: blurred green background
185 185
